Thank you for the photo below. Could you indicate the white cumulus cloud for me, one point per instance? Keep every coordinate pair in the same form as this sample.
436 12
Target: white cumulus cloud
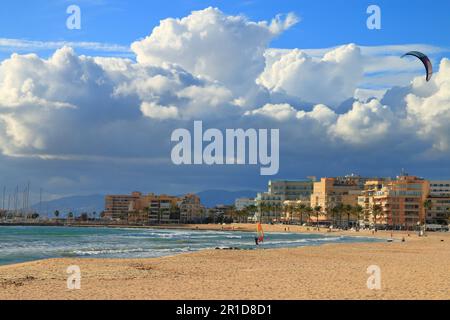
211 44
154 111
330 79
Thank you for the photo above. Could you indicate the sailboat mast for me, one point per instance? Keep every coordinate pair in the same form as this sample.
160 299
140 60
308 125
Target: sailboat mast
4 195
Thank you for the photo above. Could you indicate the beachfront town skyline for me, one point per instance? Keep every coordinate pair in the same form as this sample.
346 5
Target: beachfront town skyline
402 202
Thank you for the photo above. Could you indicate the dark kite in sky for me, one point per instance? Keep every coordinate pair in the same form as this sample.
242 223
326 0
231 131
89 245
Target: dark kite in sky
425 60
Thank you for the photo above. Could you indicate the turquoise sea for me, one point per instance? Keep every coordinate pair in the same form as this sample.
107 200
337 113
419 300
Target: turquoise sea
21 244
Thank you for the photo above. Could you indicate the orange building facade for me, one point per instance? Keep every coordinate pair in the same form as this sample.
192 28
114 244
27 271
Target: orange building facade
118 206
401 200
153 209
331 192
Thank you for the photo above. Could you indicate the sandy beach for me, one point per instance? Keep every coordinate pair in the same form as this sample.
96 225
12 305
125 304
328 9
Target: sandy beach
415 269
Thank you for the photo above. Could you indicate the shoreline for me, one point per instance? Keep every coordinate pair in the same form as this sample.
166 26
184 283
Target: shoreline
246 228
240 227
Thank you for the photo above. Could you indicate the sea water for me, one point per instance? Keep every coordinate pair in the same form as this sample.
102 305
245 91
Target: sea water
21 244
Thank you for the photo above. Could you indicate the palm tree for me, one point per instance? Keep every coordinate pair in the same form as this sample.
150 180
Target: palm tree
300 209
56 213
377 211
244 214
358 211
266 211
309 211
338 210
428 205
288 209
232 211
317 210
278 210
275 211
367 214
241 213
269 208
332 213
259 211
147 213
329 214
175 214
251 210
447 218
262 208
70 216
348 210
160 212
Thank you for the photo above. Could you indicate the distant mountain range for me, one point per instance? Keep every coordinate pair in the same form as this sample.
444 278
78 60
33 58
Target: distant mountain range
75 204
80 204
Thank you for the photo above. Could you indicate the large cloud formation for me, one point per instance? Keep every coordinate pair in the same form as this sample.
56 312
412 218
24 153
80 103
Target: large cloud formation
307 78
227 49
217 68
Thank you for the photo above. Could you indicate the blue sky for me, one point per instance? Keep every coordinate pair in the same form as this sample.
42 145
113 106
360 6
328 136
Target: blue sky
77 125
325 23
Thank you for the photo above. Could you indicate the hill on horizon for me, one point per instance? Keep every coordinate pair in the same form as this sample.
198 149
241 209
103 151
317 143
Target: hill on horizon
75 204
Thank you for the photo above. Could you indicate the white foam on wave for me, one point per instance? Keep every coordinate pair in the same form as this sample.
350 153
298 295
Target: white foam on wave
106 251
287 242
329 239
113 252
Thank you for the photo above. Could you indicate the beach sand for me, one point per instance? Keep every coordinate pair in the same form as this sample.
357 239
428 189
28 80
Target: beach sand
416 269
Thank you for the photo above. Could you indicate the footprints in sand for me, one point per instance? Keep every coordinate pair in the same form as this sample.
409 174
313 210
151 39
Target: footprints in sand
5 283
142 267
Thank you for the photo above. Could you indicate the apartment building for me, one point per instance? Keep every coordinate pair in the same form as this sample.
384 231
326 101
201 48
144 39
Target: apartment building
367 201
271 203
329 193
152 209
439 197
401 201
291 210
162 209
221 213
191 209
292 189
118 206
242 203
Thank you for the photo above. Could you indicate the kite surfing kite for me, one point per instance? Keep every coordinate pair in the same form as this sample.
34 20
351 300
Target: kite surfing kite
425 60
260 234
